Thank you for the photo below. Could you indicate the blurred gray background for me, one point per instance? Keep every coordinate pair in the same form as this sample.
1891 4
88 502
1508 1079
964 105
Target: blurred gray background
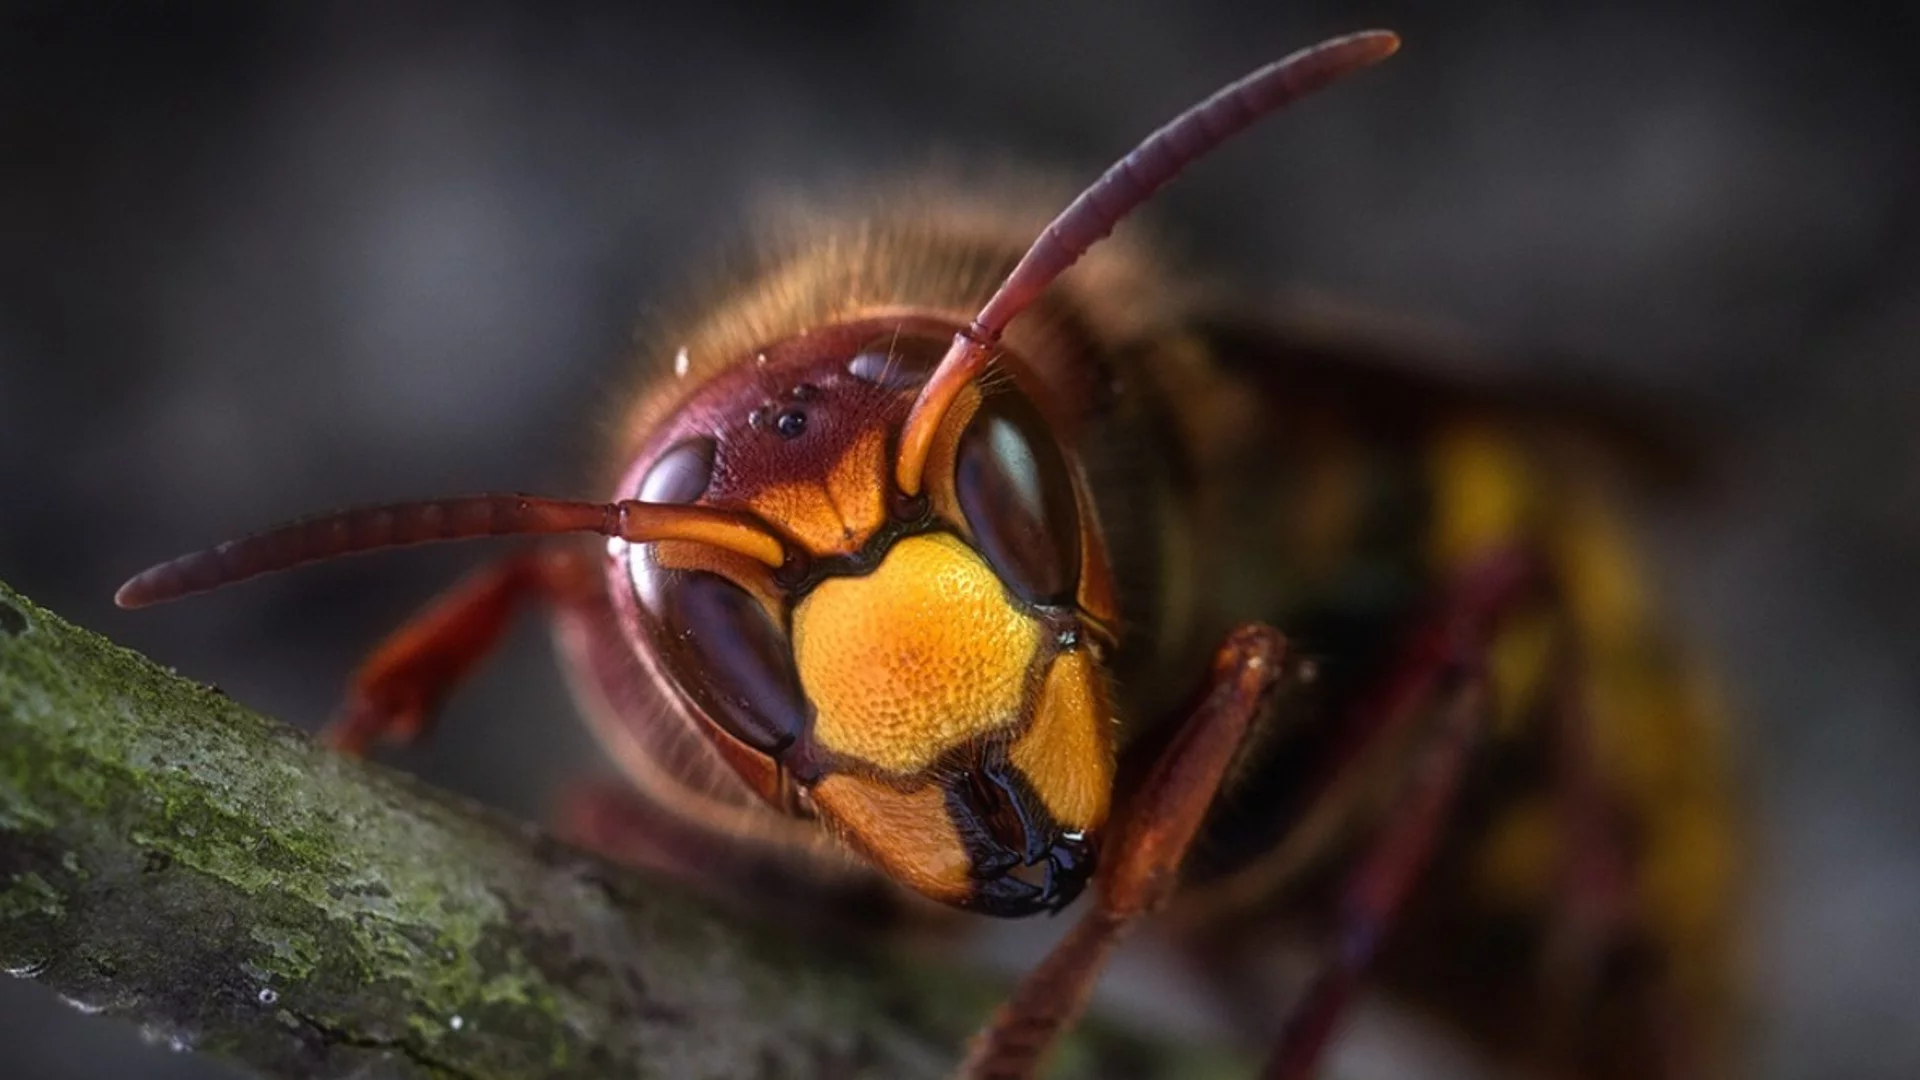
259 261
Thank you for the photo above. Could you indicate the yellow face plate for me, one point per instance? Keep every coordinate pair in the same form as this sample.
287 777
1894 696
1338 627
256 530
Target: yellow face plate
914 659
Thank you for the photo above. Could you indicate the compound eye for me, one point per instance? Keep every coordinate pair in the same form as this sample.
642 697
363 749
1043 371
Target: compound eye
728 655
681 475
1018 497
897 363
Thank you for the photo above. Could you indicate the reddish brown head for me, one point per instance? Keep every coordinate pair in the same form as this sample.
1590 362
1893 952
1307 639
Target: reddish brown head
920 671
875 584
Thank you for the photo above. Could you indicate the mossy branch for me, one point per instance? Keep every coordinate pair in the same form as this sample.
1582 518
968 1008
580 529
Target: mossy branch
168 857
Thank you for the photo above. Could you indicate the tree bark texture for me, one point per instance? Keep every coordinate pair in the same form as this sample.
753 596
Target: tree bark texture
171 858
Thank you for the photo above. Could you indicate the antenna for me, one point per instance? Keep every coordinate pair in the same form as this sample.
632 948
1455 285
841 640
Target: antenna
1122 188
377 528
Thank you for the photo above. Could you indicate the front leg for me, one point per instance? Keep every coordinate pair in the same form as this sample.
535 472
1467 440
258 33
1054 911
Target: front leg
1440 678
394 694
1140 861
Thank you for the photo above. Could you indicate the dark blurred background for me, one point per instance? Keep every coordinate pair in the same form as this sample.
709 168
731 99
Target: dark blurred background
256 261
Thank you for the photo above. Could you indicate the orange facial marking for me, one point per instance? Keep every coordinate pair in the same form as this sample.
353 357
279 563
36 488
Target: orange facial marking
857 483
837 515
1067 754
807 510
1098 596
915 658
907 834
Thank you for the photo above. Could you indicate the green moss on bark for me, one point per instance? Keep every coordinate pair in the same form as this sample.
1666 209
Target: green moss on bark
168 856
171 858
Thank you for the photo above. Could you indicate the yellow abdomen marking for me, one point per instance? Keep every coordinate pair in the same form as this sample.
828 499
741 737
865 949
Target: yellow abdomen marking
915 658
1484 496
